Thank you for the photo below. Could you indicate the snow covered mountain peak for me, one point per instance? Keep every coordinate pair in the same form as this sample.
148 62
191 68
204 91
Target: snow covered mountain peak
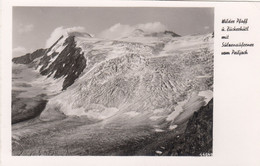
137 32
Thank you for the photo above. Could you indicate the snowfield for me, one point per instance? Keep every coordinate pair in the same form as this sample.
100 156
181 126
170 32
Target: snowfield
147 84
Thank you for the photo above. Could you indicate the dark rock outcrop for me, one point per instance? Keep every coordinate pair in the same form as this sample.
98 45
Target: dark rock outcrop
171 33
160 34
29 58
69 63
26 108
198 137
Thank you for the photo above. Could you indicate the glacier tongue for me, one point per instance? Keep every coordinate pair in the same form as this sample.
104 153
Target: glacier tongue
158 79
87 95
151 80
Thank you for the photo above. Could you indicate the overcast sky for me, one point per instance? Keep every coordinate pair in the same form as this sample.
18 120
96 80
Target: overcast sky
33 26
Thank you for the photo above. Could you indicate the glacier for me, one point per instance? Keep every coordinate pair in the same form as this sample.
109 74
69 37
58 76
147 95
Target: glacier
144 83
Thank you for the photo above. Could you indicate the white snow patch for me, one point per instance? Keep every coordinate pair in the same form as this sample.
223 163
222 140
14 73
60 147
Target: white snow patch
156 111
172 127
158 152
177 111
69 109
38 68
158 130
54 58
155 117
205 76
208 95
101 114
162 147
132 113
58 47
49 53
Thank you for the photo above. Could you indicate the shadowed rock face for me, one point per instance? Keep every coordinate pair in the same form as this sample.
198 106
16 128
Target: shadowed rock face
26 108
29 58
172 33
198 137
69 63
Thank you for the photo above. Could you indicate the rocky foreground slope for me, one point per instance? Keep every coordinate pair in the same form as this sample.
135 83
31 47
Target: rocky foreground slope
91 96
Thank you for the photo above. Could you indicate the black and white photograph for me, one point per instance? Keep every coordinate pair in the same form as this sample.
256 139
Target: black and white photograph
112 81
